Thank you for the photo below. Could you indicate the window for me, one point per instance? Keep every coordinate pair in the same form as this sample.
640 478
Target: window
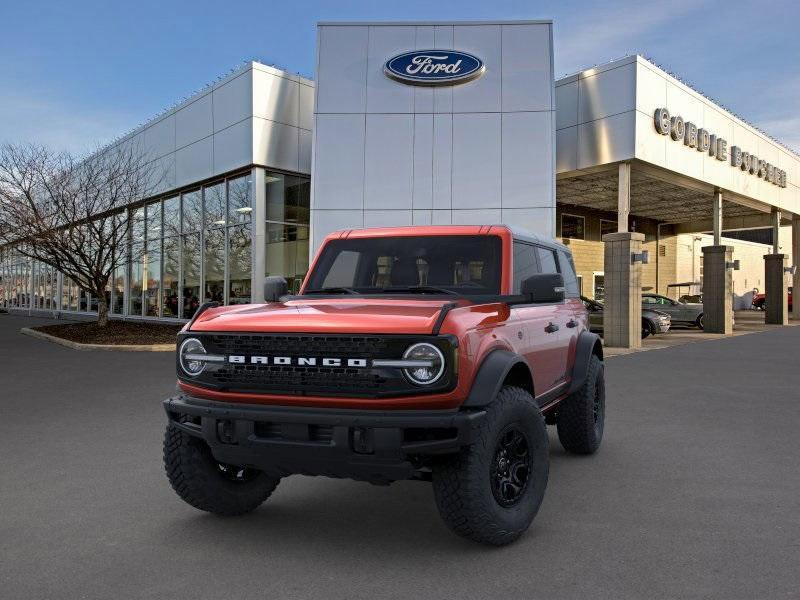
192 211
215 205
239 264
152 278
607 227
239 209
547 260
572 227
170 276
118 287
215 265
172 216
135 281
153 221
568 272
650 300
191 274
468 265
525 264
288 198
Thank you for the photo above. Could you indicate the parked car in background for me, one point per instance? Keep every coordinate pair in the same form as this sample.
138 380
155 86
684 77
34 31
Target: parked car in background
760 300
653 321
681 313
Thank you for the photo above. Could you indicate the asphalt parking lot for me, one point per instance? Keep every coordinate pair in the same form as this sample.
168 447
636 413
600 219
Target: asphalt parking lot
694 494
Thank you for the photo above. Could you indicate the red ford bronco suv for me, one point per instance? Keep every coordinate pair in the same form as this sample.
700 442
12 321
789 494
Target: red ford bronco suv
429 353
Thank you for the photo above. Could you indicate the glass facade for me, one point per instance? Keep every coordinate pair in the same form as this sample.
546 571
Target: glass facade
184 249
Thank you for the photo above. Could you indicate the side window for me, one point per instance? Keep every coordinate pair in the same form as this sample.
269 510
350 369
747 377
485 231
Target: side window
568 271
525 264
547 260
343 270
649 300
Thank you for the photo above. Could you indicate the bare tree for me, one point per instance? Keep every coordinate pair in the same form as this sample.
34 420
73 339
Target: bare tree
70 213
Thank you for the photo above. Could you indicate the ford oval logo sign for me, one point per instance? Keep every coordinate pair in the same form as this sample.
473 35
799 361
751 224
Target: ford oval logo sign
434 67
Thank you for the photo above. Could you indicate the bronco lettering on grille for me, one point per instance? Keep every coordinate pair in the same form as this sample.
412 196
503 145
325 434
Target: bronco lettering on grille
299 361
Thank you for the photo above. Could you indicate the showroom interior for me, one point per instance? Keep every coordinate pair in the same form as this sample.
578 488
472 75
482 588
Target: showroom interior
622 159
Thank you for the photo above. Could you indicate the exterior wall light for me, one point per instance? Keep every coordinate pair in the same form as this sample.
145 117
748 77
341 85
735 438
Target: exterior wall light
733 265
643 257
791 270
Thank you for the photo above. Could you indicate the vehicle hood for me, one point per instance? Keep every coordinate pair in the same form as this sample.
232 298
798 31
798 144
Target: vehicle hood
361 315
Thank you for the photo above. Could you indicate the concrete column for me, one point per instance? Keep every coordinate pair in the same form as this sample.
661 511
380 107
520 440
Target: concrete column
258 232
776 231
717 289
623 197
777 312
622 316
717 217
796 263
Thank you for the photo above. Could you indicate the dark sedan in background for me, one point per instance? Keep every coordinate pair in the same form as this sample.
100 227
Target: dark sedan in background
653 321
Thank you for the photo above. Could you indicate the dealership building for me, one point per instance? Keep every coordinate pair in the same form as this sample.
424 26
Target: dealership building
649 182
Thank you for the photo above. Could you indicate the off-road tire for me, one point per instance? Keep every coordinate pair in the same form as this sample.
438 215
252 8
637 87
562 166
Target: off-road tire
581 416
462 483
200 481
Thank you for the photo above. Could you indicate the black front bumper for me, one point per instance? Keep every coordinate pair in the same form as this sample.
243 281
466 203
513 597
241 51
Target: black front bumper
377 446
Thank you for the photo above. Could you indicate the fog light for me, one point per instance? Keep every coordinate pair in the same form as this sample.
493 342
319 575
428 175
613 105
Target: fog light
430 363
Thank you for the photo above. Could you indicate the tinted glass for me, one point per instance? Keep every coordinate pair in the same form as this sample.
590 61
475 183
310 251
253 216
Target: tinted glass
462 264
154 221
572 227
568 271
525 264
214 197
287 253
152 279
170 276
191 274
239 209
215 265
135 281
172 216
547 260
192 211
239 264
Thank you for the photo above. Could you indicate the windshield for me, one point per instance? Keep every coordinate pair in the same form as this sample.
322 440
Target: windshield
460 264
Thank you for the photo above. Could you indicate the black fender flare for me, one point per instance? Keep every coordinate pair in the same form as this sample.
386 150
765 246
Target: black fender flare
588 343
491 375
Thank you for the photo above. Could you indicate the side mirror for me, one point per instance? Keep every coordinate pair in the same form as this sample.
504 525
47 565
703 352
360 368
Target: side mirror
544 287
274 288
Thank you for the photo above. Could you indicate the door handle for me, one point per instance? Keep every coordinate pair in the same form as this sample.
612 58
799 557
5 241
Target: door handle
572 323
551 328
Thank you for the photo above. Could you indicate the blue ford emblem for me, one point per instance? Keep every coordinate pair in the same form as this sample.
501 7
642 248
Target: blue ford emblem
434 67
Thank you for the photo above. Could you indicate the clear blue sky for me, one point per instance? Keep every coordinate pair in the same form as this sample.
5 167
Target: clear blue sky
74 74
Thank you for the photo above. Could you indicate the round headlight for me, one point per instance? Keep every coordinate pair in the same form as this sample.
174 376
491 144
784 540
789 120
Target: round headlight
431 363
188 355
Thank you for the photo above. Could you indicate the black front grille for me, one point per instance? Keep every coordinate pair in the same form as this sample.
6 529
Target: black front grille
294 379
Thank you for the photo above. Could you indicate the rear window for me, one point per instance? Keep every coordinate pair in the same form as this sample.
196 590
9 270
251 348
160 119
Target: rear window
465 264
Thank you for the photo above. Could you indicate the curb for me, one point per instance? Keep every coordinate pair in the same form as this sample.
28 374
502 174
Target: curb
78 346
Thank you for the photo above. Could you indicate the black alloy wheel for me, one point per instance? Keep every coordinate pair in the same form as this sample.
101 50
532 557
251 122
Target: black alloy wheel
511 466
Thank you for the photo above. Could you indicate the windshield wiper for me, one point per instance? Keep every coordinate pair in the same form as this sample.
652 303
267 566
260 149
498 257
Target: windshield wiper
333 290
420 289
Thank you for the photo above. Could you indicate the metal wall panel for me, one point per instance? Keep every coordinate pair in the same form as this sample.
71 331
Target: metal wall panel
194 121
526 70
276 145
233 146
305 149
387 218
324 221
476 160
442 161
342 69
540 221
483 94
566 149
607 93
306 106
606 140
276 98
385 95
567 105
159 138
527 160
338 177
233 101
423 165
388 174
194 162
